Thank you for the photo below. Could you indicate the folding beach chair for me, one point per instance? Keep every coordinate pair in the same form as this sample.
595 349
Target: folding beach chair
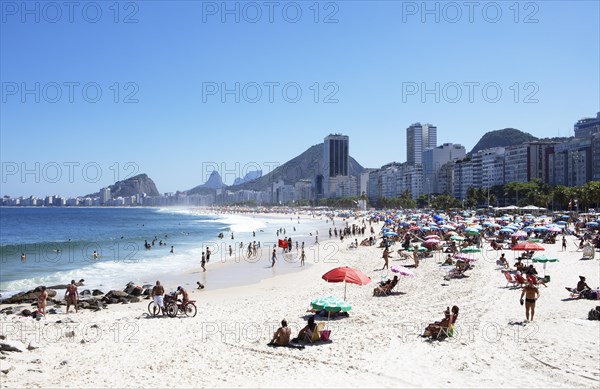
317 333
446 332
509 279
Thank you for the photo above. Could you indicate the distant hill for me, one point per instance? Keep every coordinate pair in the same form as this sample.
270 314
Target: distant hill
502 138
248 177
131 187
214 182
304 167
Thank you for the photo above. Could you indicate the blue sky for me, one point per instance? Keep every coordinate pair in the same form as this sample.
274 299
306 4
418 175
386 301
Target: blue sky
370 62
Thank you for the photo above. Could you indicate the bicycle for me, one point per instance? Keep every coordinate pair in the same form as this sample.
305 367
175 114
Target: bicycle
173 306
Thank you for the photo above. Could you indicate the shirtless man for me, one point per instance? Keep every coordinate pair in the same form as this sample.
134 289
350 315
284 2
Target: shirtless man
282 335
41 302
302 257
203 262
157 295
184 295
72 295
531 294
273 258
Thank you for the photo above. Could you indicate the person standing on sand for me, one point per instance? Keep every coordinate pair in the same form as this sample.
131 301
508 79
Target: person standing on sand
171 249
157 295
531 294
203 262
273 258
564 243
302 257
386 256
72 295
416 255
230 251
41 303
208 255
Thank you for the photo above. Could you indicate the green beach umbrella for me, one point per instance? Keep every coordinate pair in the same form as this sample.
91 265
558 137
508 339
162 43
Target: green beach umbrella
470 249
457 238
330 304
534 240
544 259
421 248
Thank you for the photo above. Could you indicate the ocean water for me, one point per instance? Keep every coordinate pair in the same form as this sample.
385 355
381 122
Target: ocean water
59 245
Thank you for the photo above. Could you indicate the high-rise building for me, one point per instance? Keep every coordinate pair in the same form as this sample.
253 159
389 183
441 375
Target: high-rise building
105 196
419 137
336 163
434 159
587 127
570 164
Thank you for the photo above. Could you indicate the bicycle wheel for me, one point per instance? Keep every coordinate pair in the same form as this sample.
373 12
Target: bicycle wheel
190 310
153 308
171 309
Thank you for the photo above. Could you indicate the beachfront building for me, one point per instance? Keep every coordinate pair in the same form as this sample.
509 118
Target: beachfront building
596 157
336 163
463 178
445 178
587 127
410 178
434 159
303 190
104 196
488 167
515 163
571 162
393 179
419 137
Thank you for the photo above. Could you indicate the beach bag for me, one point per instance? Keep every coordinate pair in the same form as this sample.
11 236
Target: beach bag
594 314
325 335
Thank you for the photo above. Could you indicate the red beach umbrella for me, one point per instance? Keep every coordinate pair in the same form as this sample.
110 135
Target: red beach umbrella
346 275
528 246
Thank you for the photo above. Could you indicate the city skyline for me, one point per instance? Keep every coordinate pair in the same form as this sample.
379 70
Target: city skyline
135 98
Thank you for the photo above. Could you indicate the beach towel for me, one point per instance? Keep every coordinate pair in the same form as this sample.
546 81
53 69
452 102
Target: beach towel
289 345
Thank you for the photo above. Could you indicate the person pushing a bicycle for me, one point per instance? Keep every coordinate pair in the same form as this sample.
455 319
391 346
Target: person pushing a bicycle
184 295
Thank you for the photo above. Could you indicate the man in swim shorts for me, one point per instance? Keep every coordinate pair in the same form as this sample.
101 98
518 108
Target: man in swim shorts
531 294
72 295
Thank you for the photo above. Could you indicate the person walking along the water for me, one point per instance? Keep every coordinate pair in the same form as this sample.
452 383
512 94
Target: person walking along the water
273 258
203 263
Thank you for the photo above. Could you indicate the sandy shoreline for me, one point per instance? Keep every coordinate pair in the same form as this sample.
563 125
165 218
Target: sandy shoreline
377 346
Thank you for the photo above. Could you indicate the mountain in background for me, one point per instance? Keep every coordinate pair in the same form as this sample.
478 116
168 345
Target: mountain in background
304 167
253 175
131 187
213 183
502 138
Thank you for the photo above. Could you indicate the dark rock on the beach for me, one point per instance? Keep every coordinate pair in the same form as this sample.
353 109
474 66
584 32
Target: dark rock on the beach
129 287
116 294
63 363
13 346
97 292
2 337
64 286
137 291
123 300
134 299
7 311
52 311
84 305
86 292
27 297
26 312
146 292
113 301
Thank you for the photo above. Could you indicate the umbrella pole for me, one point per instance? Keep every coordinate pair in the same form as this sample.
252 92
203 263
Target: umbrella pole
344 290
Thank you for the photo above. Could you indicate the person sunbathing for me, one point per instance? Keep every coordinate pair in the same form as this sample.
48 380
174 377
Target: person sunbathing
386 287
282 335
308 331
449 319
448 261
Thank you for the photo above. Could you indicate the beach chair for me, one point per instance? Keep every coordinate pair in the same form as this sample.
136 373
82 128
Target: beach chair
519 280
446 332
317 333
509 280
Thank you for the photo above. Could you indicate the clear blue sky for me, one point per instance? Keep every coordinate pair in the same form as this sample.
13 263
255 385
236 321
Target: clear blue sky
371 55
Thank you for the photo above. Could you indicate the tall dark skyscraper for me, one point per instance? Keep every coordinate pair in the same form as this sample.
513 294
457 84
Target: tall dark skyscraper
418 138
336 156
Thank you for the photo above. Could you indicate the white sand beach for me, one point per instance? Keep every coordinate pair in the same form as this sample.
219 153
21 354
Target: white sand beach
379 345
